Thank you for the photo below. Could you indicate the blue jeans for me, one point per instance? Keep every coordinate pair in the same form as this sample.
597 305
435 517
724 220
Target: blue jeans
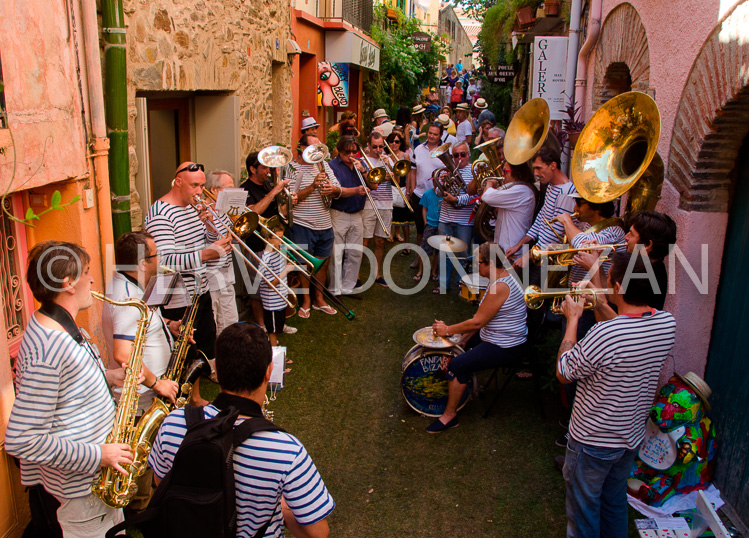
596 480
464 233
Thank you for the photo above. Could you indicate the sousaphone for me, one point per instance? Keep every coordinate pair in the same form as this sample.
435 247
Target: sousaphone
527 131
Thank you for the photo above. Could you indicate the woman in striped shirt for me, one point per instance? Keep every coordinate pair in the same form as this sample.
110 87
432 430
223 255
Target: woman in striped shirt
501 319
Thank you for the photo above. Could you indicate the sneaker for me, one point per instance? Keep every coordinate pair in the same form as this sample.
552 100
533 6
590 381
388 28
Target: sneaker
381 281
438 427
565 423
562 441
559 463
288 329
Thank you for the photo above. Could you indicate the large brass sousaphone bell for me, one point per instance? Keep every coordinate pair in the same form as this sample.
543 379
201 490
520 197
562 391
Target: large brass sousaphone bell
527 131
616 147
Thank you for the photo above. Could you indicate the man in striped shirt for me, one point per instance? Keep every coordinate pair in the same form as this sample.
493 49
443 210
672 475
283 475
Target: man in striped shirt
616 366
275 478
64 409
313 227
382 196
547 169
184 243
455 214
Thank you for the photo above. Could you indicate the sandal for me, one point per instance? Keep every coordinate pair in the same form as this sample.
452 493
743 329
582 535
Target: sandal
417 278
405 252
435 278
303 313
326 309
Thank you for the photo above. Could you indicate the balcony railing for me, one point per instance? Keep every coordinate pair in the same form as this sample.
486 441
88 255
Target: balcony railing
358 13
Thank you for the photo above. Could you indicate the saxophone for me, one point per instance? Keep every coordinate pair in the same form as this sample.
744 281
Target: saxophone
112 487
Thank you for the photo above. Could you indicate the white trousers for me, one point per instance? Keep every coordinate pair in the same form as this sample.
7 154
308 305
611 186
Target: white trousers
344 267
224 307
86 517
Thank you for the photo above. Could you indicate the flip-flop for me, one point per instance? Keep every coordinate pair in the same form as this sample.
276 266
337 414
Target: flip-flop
289 361
435 278
303 313
405 252
417 278
327 309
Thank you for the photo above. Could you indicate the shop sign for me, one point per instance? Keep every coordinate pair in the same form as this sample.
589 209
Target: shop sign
332 84
422 41
500 73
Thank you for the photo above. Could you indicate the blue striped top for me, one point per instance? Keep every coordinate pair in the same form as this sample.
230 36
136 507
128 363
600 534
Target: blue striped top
556 202
382 194
267 466
617 366
179 235
271 300
507 328
608 236
310 212
62 413
460 213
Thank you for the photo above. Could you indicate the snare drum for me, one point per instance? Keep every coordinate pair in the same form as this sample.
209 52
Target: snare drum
473 287
423 382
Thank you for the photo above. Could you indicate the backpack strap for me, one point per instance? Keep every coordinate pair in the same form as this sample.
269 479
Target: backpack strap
193 415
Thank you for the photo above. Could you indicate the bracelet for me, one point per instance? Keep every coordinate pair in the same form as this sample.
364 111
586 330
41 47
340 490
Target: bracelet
447 331
154 383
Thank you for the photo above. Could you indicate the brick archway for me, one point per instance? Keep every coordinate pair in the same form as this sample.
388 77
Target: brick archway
713 117
622 40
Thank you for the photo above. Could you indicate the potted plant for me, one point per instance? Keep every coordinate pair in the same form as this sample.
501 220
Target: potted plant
572 124
525 17
552 8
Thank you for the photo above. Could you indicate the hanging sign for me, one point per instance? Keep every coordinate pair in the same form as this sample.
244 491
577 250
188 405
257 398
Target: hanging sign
549 66
422 41
332 84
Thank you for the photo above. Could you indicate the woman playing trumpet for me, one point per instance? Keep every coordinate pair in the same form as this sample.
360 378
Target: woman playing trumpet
500 318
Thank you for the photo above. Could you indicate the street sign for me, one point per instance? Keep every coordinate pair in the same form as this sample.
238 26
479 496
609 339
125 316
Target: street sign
422 41
500 73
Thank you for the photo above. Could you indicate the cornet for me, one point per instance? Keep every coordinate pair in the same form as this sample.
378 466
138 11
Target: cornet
562 257
534 297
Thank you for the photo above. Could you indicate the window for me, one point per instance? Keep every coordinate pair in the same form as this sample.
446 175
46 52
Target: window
3 121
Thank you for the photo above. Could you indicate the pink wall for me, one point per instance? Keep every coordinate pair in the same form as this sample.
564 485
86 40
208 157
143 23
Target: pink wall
676 33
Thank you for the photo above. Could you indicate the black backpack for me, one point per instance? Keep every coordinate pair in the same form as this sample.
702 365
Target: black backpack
197 496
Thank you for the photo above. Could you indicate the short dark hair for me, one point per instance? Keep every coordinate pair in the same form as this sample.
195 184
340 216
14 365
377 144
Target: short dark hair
373 135
436 124
252 161
639 291
656 228
304 141
404 145
605 209
49 263
548 156
345 142
130 248
522 172
492 253
243 353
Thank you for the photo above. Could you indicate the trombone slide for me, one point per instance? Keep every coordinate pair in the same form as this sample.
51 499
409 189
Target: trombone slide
369 197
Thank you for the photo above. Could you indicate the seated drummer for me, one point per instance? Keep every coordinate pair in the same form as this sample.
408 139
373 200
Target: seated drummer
501 318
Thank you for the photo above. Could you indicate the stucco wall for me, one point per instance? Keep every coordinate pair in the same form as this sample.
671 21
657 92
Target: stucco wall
194 45
676 32
41 95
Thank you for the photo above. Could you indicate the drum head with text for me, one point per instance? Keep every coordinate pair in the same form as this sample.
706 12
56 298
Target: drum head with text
423 381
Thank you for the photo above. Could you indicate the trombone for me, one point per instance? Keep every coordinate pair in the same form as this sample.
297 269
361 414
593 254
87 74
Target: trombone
297 254
401 168
242 226
561 257
275 157
534 297
375 176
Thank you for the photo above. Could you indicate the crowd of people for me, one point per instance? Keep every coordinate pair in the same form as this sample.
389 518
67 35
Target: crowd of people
64 410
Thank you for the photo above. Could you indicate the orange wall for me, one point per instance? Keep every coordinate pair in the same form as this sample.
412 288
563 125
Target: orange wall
311 39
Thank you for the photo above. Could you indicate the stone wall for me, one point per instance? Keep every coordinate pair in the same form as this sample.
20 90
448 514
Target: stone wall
202 45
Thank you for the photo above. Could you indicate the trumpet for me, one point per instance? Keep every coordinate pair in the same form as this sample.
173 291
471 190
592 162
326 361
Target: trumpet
401 168
241 227
562 257
375 176
317 154
297 255
275 157
534 297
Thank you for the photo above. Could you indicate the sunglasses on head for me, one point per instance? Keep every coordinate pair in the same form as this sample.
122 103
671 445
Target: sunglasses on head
460 154
194 167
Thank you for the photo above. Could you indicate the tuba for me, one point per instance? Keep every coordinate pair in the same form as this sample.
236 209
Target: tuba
447 179
318 154
111 486
483 169
527 131
275 157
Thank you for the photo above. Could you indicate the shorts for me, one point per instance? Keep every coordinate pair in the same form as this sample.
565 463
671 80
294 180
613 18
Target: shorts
274 320
318 243
429 231
372 224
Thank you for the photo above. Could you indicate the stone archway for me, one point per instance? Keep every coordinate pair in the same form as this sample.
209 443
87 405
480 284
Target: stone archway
622 40
713 117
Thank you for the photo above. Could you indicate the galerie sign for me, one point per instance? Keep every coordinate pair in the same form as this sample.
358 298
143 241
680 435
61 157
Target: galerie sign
549 65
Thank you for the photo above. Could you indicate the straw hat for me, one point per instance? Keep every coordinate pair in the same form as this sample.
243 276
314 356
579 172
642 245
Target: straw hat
701 388
418 109
463 106
480 103
309 122
443 119
380 113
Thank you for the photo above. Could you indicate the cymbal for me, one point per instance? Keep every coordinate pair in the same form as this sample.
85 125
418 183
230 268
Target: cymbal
447 243
425 337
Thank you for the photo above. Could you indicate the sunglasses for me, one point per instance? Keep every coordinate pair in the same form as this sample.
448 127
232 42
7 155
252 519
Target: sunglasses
194 167
376 147
349 151
460 154
507 171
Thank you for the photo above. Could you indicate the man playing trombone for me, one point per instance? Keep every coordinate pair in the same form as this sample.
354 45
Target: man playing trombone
346 215
312 228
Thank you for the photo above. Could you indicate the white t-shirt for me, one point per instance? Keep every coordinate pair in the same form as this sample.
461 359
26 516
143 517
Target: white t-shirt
121 322
465 129
514 212
447 137
425 165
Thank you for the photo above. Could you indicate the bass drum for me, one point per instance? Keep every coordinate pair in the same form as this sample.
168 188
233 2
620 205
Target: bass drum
423 382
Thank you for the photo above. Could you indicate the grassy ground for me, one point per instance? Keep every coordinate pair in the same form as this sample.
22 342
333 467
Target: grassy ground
489 477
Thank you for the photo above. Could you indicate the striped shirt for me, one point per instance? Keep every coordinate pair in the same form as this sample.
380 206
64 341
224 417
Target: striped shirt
121 322
271 300
267 466
608 236
556 202
62 413
616 366
382 194
179 235
460 213
310 212
507 328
